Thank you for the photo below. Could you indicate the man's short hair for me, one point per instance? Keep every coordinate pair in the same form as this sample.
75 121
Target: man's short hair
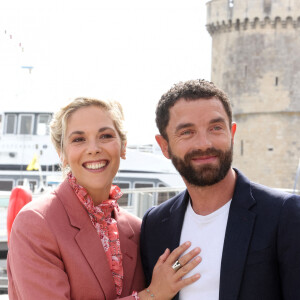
189 90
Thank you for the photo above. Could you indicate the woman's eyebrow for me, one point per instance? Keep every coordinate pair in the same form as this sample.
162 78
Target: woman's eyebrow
105 128
79 132
75 132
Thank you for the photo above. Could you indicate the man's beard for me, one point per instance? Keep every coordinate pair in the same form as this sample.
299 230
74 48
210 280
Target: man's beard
206 174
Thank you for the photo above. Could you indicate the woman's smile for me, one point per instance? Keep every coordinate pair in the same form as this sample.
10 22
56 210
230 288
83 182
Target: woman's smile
96 165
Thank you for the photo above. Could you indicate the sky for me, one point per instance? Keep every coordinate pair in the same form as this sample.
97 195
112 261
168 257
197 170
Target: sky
131 51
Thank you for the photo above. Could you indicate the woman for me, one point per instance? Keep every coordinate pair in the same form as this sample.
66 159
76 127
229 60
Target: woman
76 243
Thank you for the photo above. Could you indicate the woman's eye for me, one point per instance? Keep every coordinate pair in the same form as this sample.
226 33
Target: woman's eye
106 136
77 140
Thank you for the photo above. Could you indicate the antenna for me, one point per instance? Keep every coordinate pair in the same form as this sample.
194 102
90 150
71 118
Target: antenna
29 68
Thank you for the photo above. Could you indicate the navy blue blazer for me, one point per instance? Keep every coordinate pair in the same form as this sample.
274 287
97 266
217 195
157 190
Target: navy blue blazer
261 253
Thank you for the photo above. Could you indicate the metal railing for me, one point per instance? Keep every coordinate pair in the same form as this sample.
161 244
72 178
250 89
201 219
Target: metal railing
138 201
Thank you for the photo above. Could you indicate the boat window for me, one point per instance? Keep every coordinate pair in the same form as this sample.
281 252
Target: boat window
10 124
123 201
139 185
32 184
26 124
6 185
42 125
163 196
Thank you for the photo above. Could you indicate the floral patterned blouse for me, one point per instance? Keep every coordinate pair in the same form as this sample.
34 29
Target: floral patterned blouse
106 227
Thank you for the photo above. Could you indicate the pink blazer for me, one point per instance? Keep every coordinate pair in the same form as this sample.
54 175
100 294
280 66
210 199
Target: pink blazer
55 252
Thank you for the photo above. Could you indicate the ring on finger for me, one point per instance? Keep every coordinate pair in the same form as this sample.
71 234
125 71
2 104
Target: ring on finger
176 266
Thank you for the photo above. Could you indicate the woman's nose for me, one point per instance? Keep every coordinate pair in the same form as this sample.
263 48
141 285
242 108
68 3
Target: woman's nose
94 147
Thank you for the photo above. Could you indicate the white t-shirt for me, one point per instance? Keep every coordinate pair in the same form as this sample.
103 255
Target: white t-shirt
206 232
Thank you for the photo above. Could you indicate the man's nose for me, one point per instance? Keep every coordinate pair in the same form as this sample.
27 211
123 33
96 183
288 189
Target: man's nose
202 141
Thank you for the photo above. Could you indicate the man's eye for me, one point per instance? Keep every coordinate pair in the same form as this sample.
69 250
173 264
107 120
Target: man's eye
186 133
217 127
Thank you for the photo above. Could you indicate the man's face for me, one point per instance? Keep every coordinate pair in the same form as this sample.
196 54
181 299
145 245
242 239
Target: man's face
200 141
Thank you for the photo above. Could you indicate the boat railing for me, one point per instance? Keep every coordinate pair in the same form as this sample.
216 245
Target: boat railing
137 201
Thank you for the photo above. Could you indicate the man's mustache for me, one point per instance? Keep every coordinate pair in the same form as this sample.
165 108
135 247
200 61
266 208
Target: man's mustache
208 152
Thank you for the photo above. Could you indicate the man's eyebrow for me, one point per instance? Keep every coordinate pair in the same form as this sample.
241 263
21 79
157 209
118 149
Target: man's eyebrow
217 120
182 126
79 132
186 125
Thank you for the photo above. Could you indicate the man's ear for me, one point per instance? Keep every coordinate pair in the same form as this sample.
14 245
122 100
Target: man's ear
163 144
233 130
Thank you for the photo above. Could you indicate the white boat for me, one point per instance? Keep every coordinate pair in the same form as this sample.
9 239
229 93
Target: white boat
25 138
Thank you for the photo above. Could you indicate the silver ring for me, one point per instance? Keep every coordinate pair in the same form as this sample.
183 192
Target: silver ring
176 266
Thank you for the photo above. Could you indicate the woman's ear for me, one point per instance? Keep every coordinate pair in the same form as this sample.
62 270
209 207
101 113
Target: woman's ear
63 159
123 150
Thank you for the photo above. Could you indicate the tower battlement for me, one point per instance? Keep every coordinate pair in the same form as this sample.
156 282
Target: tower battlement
255 23
224 15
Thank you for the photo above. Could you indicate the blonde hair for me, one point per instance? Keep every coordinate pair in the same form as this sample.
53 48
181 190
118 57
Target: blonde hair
58 125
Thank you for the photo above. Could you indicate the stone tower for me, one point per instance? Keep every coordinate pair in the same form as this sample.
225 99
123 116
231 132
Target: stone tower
256 61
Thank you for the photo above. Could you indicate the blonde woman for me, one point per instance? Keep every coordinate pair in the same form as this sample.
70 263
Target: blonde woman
76 243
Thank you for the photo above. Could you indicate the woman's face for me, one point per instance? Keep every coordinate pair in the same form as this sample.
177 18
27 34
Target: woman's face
92 149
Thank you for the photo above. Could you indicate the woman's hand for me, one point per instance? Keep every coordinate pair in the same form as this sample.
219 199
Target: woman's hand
166 281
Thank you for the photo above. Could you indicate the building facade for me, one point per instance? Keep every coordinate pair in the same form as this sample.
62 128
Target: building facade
256 61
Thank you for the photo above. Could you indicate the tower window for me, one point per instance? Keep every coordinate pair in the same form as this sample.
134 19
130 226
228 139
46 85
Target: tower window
276 81
242 147
230 3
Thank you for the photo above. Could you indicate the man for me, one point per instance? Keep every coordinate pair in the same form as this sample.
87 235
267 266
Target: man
249 234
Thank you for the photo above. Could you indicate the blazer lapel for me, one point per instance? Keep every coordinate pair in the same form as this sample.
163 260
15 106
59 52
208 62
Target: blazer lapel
96 257
175 221
237 238
129 251
87 239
